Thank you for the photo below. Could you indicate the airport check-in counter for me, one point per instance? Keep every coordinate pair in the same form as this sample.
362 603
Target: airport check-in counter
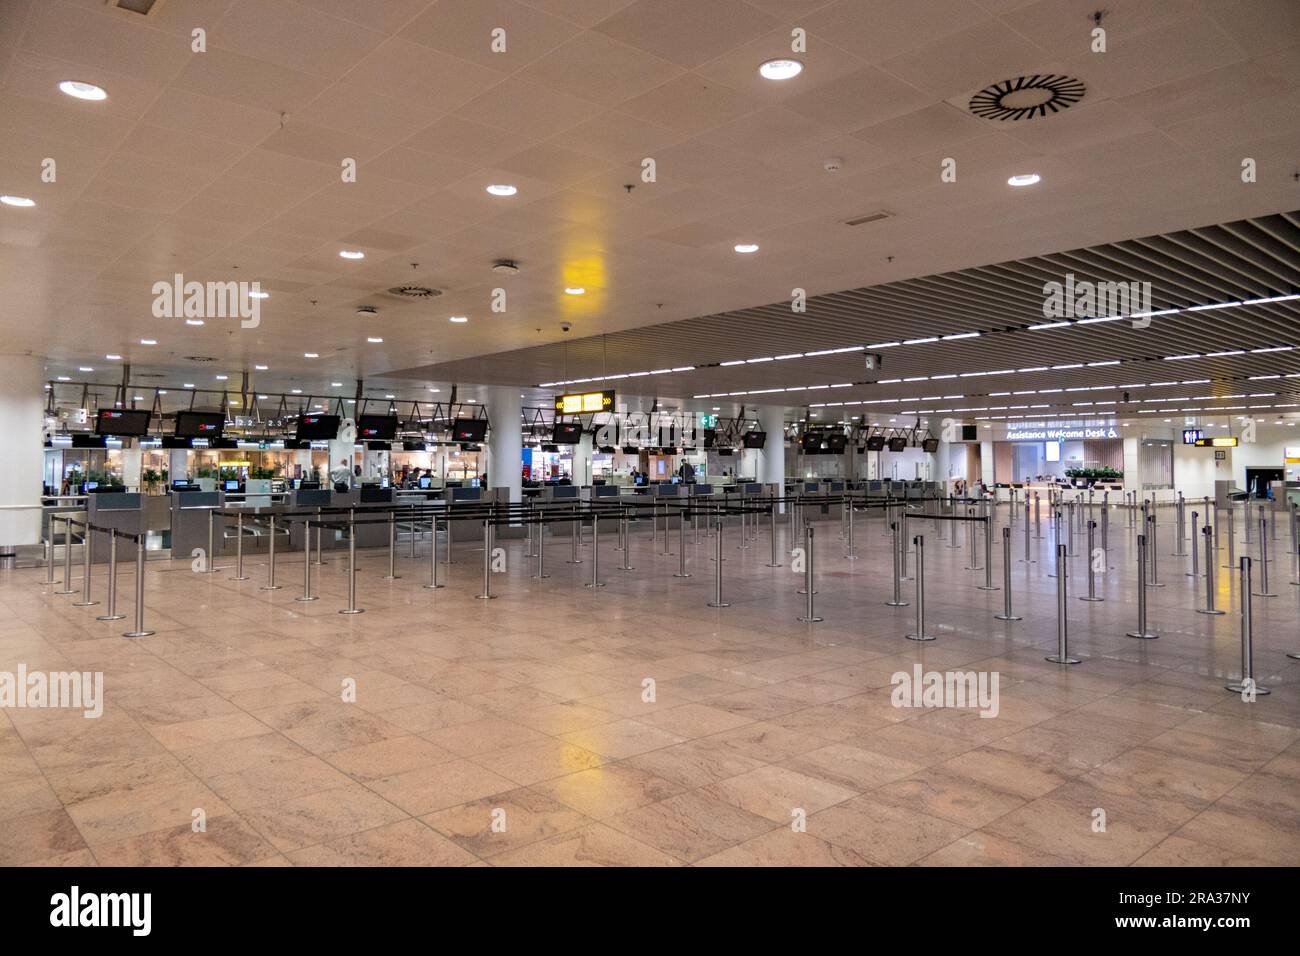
124 511
189 522
372 502
460 499
308 499
560 498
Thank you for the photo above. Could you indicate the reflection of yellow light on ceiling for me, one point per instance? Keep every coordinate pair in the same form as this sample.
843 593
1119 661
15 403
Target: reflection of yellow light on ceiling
584 272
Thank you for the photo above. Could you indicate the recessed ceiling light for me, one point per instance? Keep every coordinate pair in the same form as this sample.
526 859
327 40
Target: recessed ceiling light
297 391
83 91
1024 179
336 384
17 201
64 378
193 321
187 385
222 378
747 247
310 355
502 189
259 295
458 318
374 339
352 254
575 290
85 368
148 341
112 357
260 368
780 69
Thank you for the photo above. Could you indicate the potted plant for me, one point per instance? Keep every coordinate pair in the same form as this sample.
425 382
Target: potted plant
150 478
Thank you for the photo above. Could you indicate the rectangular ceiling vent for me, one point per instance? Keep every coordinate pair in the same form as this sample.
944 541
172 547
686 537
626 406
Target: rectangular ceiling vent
869 217
142 7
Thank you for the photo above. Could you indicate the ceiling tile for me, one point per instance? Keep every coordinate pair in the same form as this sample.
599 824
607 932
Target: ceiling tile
464 29
690 103
868 96
595 67
684 31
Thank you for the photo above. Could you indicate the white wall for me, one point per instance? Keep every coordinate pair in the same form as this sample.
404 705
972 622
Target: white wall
22 411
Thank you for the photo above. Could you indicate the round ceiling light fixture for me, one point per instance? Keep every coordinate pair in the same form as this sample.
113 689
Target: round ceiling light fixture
1024 179
351 254
506 267
459 319
502 189
780 69
83 91
17 201
1026 97
746 248
575 290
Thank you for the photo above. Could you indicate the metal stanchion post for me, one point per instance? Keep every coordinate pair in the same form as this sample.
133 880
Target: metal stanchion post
1181 515
920 634
896 548
306 565
773 563
319 527
212 541
352 569
1209 573
596 582
1263 558
433 554
239 548
541 552
717 568
1092 575
1069 534
1151 552
392 574
139 591
852 553
487 594
1247 683
1143 632
810 614
576 526
1038 518
681 547
1196 564
110 614
1006 614
270 584
67 557
988 584
1232 540
1027 559
973 563
49 553
85 570
1062 655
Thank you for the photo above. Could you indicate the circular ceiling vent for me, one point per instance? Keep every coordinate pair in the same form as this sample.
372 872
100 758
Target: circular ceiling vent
1027 96
414 292
200 358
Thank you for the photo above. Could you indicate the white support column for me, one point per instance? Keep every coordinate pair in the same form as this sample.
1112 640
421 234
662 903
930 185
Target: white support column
581 460
771 419
22 412
505 441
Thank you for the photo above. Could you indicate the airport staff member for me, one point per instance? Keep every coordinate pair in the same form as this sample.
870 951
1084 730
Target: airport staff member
342 476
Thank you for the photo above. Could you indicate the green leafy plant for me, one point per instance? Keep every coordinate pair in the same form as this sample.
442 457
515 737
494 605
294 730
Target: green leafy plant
151 479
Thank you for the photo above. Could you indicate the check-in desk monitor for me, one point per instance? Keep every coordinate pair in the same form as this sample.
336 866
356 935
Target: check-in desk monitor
666 491
564 492
375 496
604 491
701 491
466 494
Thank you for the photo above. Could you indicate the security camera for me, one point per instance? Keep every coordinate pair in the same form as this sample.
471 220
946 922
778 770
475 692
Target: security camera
565 326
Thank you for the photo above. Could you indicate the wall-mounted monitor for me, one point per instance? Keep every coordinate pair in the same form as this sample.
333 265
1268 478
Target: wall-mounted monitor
122 422
469 429
811 443
710 437
315 427
199 424
875 443
898 443
969 433
754 439
566 433
631 450
413 446
88 441
170 441
836 442
930 445
376 427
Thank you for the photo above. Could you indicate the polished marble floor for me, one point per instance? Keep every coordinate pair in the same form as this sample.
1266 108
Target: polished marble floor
521 730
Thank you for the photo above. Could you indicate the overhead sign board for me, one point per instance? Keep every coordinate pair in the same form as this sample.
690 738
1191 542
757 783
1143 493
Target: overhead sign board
1224 442
1060 434
581 402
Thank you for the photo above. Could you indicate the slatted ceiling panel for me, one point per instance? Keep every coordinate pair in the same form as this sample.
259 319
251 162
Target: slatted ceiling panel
1242 260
